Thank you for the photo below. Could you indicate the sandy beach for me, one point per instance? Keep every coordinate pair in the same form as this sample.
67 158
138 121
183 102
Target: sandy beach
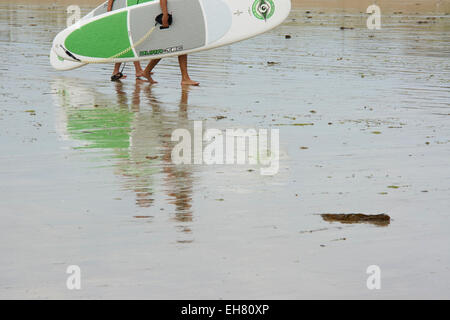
86 176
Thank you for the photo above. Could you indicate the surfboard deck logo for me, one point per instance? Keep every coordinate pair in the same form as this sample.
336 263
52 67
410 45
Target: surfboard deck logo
263 9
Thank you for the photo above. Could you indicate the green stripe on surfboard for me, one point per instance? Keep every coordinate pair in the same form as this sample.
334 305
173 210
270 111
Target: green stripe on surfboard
102 38
133 2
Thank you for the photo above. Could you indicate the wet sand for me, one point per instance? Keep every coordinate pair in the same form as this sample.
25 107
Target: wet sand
86 177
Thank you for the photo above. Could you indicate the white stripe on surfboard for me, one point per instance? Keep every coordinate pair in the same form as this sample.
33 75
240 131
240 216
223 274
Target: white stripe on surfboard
130 36
206 22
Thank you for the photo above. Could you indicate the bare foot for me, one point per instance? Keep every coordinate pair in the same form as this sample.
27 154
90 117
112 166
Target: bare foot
149 77
189 82
141 74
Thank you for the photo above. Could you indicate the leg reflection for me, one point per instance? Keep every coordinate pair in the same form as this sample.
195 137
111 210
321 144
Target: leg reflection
179 179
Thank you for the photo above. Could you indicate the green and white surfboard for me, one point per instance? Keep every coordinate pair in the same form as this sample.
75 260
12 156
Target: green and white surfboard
129 33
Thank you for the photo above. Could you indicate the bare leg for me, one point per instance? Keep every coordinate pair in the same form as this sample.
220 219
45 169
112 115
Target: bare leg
117 70
117 65
151 66
148 70
186 80
138 68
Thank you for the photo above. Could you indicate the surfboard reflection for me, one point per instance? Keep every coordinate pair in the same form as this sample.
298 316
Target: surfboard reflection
134 131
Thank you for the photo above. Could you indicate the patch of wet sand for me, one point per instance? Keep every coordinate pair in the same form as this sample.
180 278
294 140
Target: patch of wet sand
85 160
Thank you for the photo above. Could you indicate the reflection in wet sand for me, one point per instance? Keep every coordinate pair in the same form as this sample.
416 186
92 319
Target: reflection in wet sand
138 169
136 136
179 178
379 105
122 99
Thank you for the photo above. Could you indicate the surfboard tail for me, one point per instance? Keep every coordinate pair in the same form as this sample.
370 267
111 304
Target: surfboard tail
61 64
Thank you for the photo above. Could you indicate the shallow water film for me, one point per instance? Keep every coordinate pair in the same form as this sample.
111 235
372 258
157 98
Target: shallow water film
87 176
